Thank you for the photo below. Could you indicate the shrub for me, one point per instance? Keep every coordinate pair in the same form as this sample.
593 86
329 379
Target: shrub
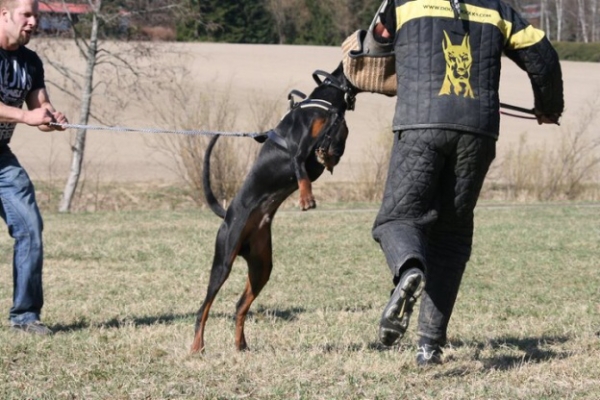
577 51
209 109
564 172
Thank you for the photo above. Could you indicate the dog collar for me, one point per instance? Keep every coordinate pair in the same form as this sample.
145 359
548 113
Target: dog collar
308 103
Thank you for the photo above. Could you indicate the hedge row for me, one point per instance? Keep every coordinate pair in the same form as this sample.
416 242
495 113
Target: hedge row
577 51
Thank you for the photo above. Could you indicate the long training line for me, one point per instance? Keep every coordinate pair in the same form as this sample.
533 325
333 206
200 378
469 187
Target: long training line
220 133
153 130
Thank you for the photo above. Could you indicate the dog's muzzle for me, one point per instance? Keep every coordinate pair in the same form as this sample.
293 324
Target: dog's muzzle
327 158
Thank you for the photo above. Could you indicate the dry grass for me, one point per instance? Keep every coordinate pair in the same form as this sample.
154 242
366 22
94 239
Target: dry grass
566 170
122 290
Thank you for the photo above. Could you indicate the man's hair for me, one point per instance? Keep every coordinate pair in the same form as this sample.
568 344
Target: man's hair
8 4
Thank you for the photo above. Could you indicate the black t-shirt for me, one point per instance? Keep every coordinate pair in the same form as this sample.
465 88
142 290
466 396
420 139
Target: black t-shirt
21 71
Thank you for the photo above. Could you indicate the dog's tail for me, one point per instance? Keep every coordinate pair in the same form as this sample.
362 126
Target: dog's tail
211 200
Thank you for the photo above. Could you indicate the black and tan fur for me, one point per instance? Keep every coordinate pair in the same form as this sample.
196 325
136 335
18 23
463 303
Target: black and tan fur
309 139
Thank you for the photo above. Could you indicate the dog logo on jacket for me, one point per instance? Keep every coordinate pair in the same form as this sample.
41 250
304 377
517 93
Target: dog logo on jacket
458 68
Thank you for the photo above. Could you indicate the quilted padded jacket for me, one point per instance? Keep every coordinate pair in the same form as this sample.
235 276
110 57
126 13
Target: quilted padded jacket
448 63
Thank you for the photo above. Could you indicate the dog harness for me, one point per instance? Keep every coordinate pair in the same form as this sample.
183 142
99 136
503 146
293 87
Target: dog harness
324 139
308 103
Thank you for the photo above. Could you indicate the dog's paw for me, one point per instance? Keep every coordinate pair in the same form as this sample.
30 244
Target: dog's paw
306 203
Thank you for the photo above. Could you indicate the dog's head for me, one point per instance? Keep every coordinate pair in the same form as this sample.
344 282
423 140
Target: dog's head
336 89
342 88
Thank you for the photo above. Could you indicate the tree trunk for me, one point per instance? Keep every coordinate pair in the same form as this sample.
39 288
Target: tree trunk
581 16
559 19
86 102
544 18
594 21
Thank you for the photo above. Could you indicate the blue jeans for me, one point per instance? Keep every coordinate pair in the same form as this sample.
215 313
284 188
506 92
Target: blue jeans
19 210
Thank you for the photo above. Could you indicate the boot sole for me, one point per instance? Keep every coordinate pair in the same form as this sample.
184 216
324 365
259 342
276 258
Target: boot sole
396 314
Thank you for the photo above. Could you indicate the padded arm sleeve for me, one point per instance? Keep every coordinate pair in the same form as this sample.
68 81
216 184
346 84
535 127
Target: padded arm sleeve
529 48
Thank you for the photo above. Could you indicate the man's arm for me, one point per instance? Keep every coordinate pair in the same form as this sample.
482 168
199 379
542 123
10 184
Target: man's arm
41 112
529 48
542 65
18 115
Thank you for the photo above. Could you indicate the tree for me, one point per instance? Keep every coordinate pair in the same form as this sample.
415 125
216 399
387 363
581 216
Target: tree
560 8
90 52
361 13
287 16
234 21
582 19
319 28
121 64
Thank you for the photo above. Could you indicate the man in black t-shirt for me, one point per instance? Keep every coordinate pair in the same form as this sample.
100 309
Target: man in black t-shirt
22 81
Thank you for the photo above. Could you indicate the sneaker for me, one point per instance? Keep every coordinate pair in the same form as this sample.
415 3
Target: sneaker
33 327
429 354
396 314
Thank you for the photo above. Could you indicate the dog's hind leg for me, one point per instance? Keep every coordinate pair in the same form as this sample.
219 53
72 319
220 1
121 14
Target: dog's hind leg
260 265
222 263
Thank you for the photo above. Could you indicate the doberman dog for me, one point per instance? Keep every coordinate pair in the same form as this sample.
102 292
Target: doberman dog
310 138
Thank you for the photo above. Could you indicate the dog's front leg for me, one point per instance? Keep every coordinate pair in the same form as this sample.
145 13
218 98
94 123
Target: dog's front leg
307 200
309 137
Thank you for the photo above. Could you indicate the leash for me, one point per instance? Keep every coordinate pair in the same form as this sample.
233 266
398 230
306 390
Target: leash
523 110
313 103
246 134
258 136
151 130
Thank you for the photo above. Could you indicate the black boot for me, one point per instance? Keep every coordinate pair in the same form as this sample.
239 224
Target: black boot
429 352
396 314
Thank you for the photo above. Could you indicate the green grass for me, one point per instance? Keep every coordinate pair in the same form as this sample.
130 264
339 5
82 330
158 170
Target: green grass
122 290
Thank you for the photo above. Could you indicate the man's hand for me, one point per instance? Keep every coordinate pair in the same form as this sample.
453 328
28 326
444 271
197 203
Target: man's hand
380 32
42 117
60 119
546 118
38 116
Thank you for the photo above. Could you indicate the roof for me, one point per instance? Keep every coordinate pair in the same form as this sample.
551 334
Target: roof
62 8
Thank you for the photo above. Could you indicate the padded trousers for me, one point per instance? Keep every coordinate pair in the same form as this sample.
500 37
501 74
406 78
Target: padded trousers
426 216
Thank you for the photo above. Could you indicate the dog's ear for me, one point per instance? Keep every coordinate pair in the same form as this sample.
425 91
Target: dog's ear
261 138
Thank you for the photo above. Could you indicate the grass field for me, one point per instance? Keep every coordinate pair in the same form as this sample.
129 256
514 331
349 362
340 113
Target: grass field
122 290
